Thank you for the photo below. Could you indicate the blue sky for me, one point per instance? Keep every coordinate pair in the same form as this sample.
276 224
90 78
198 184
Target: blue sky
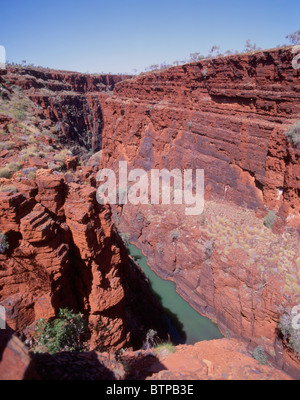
120 36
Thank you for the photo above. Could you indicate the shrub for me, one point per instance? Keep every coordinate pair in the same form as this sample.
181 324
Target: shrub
293 134
14 167
8 188
4 245
270 219
19 110
4 173
250 47
164 349
61 157
32 175
6 145
290 334
67 332
294 38
259 355
32 139
150 339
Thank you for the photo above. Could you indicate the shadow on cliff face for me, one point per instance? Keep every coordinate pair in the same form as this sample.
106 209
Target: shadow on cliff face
77 366
170 327
141 365
18 363
143 309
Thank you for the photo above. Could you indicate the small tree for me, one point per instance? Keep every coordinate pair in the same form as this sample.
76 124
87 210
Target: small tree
214 51
250 47
153 67
67 332
150 339
294 38
194 56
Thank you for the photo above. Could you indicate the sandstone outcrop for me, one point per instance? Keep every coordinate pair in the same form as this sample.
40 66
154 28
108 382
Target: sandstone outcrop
221 359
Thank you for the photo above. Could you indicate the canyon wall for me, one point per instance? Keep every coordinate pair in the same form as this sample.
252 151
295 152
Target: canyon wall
69 100
229 117
65 253
62 249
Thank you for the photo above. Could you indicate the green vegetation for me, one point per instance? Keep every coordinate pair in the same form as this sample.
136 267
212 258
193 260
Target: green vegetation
32 175
294 38
290 334
293 134
160 348
5 173
150 341
19 110
270 219
67 332
61 157
14 166
164 349
260 356
4 245
214 52
8 188
6 145
30 151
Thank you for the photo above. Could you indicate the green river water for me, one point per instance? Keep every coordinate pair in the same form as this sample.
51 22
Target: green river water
186 325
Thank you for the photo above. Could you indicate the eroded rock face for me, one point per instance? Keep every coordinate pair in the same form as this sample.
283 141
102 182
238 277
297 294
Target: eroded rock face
67 99
226 116
229 117
221 359
15 361
65 253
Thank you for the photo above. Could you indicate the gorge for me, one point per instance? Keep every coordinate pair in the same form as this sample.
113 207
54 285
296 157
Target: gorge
229 116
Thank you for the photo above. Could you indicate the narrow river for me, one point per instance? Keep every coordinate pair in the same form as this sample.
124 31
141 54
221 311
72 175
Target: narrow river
186 325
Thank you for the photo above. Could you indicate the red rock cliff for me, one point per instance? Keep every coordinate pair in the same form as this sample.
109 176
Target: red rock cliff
227 116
